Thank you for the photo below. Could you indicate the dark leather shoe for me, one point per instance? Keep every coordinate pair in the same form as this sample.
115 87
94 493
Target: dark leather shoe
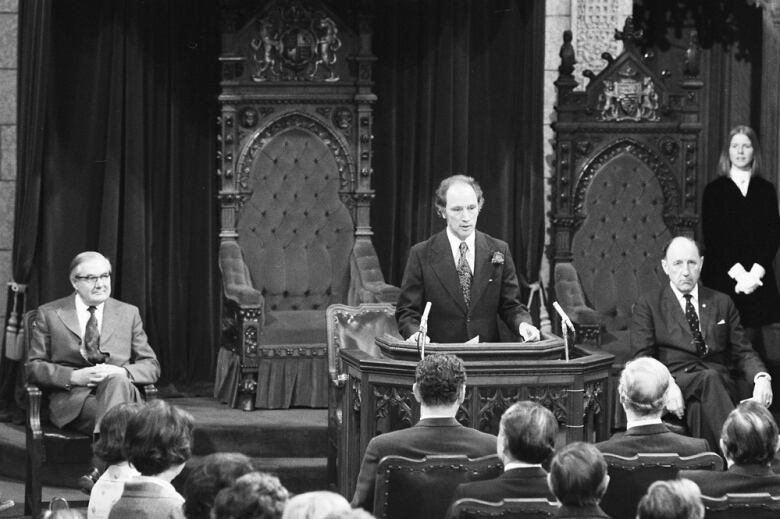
88 480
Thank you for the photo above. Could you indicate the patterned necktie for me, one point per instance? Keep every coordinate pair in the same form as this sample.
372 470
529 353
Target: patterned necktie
92 339
464 273
693 322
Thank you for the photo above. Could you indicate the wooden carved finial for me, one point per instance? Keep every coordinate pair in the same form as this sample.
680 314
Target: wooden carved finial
629 35
567 55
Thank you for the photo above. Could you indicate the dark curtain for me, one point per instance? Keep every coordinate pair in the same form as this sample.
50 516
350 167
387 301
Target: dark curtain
128 162
460 88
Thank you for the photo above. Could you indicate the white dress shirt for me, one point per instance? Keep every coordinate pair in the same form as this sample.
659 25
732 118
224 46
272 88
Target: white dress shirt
694 299
455 246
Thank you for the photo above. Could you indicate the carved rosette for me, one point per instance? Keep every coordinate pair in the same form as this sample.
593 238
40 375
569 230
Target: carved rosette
394 402
553 398
357 395
592 398
297 120
588 334
295 42
669 185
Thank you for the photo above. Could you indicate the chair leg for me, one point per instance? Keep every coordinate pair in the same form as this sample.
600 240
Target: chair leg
32 480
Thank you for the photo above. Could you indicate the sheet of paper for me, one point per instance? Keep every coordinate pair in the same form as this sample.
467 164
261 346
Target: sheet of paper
473 340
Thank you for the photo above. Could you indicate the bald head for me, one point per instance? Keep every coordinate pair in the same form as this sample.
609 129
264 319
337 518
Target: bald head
642 388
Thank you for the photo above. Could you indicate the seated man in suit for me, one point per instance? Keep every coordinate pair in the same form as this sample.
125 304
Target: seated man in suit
526 441
674 499
468 276
642 389
89 349
578 478
439 387
696 333
749 442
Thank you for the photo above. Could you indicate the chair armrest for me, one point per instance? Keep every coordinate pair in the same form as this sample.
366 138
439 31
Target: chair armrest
34 399
236 281
367 284
149 391
587 321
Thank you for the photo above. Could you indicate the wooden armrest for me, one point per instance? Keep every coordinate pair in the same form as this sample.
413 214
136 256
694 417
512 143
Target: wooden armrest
34 399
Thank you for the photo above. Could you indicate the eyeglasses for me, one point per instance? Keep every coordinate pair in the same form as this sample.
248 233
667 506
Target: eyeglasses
94 279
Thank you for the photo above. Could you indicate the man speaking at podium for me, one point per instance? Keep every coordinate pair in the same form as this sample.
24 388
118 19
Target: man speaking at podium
468 276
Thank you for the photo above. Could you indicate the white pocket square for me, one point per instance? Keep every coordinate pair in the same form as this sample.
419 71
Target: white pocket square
722 321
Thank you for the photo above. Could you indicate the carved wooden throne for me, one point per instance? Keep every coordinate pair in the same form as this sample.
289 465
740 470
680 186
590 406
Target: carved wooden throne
626 155
295 194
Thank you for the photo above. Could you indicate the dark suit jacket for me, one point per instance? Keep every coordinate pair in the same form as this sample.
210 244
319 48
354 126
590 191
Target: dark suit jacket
524 482
653 438
659 330
428 437
431 276
55 352
738 479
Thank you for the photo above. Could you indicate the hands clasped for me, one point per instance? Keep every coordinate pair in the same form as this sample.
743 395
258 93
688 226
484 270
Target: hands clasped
91 376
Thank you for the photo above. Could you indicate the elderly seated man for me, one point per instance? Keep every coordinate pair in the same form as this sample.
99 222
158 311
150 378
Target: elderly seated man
749 443
696 332
439 387
642 389
526 441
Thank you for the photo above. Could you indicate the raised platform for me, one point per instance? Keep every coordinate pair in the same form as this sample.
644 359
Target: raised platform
291 443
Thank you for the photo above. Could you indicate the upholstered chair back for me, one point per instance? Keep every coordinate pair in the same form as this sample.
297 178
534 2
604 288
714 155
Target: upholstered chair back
295 232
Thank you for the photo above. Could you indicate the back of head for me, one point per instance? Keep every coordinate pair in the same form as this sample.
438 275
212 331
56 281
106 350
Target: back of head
440 378
256 495
158 437
354 513
674 499
110 445
529 431
207 478
749 434
643 385
315 505
578 475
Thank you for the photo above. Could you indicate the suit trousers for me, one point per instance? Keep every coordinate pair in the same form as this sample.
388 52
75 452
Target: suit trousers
716 395
113 390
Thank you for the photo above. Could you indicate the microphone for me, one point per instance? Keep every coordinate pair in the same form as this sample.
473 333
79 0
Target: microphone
423 330
564 318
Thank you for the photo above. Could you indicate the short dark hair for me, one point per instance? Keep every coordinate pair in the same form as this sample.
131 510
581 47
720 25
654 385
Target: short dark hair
213 473
673 499
256 495
724 162
749 434
643 385
577 474
529 431
440 196
108 447
440 378
158 438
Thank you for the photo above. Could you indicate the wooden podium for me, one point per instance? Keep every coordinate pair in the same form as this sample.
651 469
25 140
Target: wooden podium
378 396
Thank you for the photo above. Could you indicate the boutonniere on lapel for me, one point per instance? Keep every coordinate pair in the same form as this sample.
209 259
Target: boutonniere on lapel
497 259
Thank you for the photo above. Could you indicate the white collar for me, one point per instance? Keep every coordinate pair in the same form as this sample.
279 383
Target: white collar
681 297
83 307
516 464
643 421
455 241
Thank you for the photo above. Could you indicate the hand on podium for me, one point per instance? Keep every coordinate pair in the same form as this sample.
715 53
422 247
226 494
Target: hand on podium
529 332
415 336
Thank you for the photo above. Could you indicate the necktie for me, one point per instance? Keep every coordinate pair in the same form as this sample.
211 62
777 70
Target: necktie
92 339
464 273
693 322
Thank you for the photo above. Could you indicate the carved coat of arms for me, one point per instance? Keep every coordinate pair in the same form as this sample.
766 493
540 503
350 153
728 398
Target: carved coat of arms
628 98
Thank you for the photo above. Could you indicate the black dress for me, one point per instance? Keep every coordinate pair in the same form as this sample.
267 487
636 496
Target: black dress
746 230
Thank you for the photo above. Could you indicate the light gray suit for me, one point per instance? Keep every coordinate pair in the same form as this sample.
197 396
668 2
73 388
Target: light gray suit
55 352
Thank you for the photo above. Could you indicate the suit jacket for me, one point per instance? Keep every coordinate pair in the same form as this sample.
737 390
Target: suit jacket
738 479
429 436
55 352
523 482
142 499
653 438
659 330
431 275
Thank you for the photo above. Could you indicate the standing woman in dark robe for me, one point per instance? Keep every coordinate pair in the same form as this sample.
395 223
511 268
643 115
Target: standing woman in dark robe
741 228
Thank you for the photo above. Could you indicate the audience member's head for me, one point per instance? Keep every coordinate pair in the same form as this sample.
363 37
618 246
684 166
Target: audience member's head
440 380
674 499
527 433
316 505
109 446
158 439
749 435
255 495
642 389
578 475
353 513
208 477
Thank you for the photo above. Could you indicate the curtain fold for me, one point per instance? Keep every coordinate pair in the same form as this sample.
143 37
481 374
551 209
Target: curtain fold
460 91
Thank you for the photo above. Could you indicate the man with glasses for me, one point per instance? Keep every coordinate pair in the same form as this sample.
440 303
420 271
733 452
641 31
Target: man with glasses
89 349
468 276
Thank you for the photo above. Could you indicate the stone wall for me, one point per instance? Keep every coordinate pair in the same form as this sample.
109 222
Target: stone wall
8 73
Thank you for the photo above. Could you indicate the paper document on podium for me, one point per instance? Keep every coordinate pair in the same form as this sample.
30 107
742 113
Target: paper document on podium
473 340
